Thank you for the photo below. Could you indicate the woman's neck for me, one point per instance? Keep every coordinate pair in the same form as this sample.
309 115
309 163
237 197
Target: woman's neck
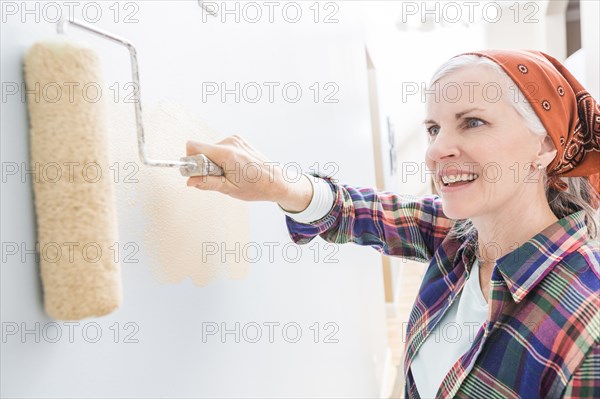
510 227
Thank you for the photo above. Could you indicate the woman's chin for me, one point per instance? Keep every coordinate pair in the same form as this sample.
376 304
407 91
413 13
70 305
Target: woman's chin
456 211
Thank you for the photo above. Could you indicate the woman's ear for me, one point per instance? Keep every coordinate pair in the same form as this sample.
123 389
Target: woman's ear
547 151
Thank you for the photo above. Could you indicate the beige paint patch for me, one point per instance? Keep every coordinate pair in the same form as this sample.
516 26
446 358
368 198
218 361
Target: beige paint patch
183 226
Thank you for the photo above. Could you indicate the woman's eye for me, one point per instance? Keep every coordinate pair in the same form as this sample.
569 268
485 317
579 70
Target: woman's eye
433 130
474 122
470 123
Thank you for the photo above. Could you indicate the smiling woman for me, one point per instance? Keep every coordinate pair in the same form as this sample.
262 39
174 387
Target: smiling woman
510 303
471 133
564 195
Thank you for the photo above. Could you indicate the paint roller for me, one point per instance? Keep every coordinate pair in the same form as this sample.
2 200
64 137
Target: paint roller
74 198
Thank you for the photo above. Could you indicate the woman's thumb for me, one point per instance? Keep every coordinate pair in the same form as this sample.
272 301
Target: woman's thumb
196 147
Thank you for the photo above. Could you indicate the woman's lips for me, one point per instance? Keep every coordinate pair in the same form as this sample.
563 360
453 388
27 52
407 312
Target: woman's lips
455 187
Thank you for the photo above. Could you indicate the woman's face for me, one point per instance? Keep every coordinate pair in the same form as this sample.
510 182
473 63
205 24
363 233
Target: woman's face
473 130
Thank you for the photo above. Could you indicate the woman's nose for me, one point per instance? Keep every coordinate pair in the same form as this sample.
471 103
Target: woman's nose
444 145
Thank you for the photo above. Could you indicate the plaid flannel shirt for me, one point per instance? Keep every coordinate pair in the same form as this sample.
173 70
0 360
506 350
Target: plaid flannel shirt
541 337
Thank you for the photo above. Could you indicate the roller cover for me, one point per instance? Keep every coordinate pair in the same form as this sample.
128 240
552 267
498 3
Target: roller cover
73 189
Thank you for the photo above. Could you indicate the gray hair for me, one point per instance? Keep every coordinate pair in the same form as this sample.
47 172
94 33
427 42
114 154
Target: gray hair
580 193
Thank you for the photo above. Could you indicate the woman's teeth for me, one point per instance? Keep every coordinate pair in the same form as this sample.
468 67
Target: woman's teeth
451 179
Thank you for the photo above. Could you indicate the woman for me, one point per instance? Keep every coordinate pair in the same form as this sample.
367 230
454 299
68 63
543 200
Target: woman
514 265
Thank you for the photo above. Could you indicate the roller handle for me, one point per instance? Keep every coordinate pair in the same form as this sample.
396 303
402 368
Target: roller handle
199 165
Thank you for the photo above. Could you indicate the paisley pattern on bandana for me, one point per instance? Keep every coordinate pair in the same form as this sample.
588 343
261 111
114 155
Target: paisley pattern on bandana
585 138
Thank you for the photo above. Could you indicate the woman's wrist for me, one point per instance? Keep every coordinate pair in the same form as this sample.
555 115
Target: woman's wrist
297 195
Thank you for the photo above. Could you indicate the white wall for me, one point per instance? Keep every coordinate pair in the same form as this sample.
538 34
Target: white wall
177 52
590 42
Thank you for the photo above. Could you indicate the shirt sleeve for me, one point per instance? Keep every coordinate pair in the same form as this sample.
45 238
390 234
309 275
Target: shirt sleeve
320 204
585 382
406 226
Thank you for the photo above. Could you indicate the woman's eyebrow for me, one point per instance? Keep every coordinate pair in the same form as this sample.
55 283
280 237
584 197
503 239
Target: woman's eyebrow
458 115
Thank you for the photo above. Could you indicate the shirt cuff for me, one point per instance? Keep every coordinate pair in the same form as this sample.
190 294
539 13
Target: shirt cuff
320 204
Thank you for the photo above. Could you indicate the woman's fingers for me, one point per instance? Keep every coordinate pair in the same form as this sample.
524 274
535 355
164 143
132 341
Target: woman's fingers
216 154
214 183
192 148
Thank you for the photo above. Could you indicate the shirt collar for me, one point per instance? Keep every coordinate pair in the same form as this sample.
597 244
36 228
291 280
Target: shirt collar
524 267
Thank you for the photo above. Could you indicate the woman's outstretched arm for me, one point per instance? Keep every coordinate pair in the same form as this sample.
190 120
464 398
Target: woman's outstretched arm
406 226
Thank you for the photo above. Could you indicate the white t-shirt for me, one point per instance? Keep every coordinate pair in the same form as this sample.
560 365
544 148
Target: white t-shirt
451 338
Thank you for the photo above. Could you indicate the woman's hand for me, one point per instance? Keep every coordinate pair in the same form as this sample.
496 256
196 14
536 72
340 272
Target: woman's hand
249 175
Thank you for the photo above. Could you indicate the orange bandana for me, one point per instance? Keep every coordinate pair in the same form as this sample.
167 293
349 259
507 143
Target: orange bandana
568 112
